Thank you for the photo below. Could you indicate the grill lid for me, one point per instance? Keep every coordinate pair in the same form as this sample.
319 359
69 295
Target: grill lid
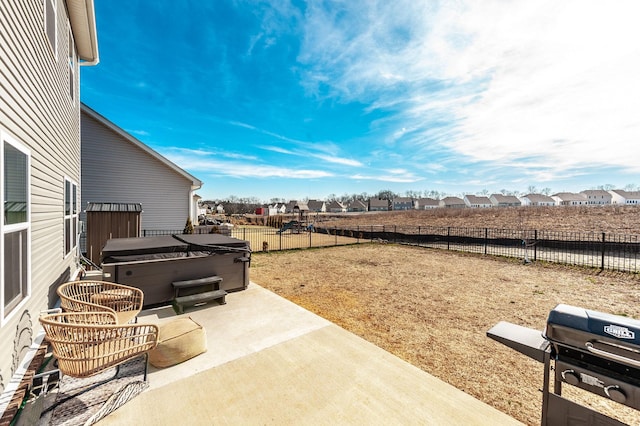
614 337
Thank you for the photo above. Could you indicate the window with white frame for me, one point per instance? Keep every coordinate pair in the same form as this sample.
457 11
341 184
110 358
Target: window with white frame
16 228
50 24
70 216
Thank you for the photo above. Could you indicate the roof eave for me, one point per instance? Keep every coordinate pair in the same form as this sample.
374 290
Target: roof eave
83 25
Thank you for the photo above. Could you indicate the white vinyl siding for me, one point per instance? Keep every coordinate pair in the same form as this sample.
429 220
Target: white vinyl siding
114 170
36 111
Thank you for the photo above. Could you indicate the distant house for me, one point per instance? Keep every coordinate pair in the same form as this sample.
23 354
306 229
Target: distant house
499 200
290 205
597 196
378 205
118 168
357 206
475 201
301 207
427 203
277 208
403 203
317 206
44 43
452 203
630 198
536 200
335 207
569 199
274 209
219 209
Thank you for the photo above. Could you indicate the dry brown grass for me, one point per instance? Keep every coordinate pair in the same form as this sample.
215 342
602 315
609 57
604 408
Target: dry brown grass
433 308
609 219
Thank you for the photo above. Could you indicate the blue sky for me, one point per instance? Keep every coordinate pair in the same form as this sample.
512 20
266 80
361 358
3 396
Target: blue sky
293 99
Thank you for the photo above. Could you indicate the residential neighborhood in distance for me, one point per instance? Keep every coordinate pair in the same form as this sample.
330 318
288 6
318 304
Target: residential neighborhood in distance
592 197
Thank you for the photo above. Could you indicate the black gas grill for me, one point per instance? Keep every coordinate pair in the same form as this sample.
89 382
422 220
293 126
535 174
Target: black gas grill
591 350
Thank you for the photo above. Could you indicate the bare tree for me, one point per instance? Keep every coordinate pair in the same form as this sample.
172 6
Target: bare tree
386 194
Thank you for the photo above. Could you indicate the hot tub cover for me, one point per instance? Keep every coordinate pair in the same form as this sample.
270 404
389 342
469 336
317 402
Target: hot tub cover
170 246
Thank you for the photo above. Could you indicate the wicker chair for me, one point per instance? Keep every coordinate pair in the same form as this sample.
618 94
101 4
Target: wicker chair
86 343
100 296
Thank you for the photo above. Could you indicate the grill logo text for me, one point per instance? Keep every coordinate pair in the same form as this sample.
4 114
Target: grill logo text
619 332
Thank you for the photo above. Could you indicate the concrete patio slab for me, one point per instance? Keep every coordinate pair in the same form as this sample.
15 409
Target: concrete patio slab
271 362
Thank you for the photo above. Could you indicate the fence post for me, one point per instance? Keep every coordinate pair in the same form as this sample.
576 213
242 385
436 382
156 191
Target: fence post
280 241
244 233
535 245
335 231
310 238
486 239
603 251
371 234
448 236
395 233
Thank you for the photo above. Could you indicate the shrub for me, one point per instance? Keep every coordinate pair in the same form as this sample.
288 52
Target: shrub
188 227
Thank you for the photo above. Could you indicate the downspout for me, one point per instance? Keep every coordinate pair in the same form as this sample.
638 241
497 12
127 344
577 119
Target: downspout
193 212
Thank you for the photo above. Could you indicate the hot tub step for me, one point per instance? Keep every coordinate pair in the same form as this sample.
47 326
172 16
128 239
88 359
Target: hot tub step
181 302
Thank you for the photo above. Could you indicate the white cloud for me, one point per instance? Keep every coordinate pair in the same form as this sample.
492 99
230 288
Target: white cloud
190 153
205 164
550 87
139 133
392 175
337 160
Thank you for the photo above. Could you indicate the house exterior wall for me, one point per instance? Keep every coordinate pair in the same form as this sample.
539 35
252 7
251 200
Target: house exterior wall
335 207
427 204
499 200
631 198
537 200
597 197
452 203
477 202
357 206
376 205
40 111
617 198
570 199
403 204
115 170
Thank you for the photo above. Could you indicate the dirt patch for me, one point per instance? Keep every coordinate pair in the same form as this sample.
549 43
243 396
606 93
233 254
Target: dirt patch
433 308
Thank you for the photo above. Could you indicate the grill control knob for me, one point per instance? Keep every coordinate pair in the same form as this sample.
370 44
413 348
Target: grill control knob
571 377
616 393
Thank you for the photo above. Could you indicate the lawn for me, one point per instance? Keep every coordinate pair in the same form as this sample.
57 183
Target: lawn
432 308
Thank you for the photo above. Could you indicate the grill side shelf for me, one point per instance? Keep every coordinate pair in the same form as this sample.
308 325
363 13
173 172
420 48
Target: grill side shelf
525 340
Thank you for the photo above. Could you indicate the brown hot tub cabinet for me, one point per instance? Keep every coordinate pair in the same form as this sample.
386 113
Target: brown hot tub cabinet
153 264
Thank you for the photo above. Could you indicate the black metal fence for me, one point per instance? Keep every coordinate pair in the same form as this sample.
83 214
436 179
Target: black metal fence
595 250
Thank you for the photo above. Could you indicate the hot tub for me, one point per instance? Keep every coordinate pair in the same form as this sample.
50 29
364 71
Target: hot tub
154 263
